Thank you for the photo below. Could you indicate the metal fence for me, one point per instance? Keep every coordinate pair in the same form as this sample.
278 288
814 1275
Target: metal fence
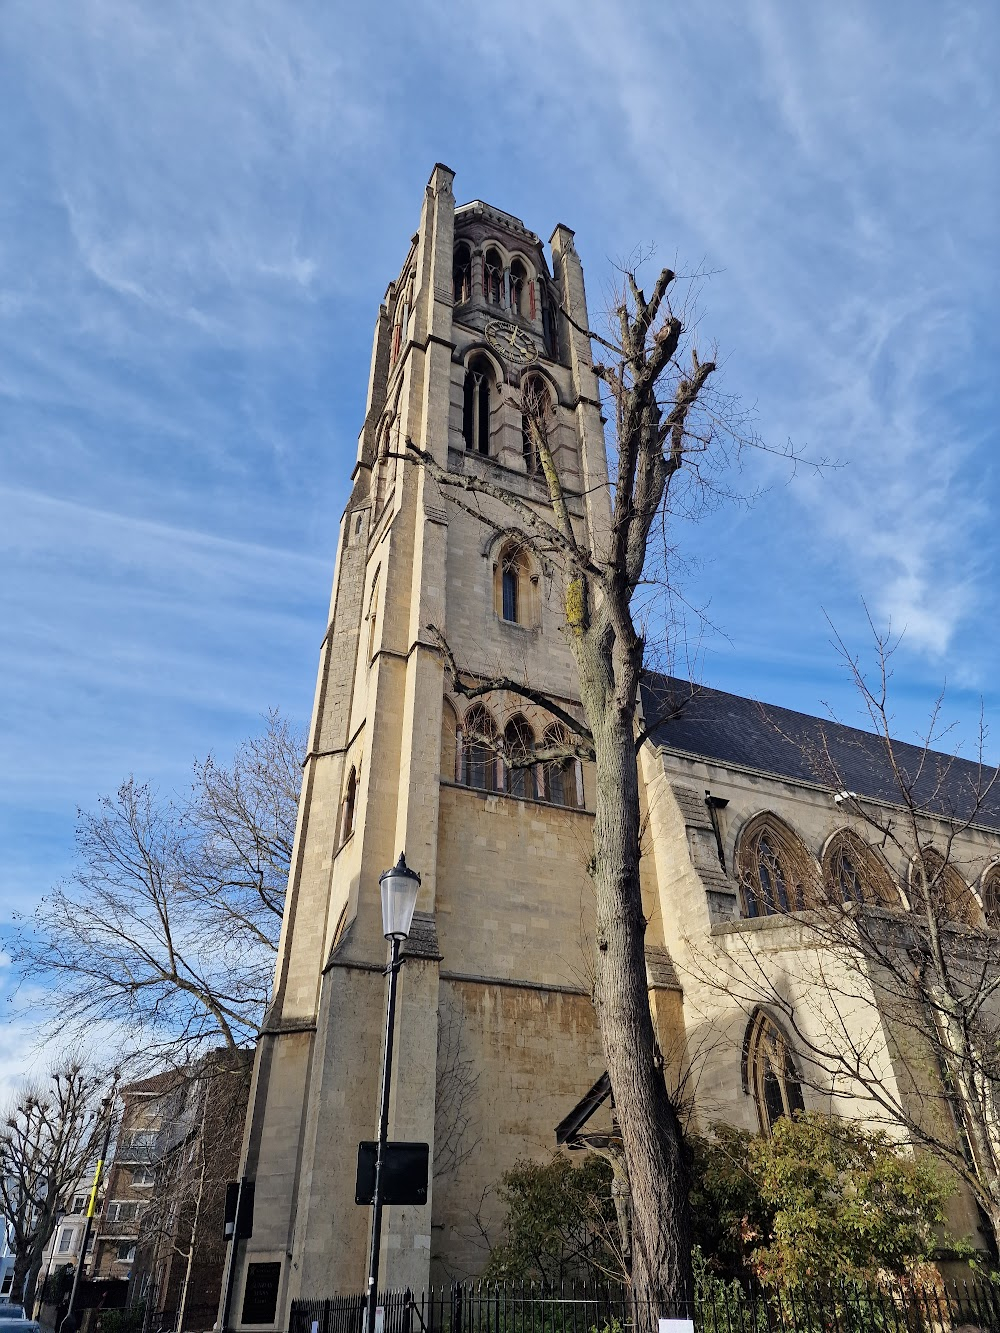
720 1307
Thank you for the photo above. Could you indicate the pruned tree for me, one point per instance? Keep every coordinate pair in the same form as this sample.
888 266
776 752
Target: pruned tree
49 1138
168 928
671 434
892 991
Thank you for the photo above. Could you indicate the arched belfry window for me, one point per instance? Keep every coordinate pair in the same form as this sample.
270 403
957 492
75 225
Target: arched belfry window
775 871
493 277
519 744
854 873
560 775
480 744
349 805
935 880
518 287
770 1074
479 388
536 415
991 897
550 327
513 587
461 274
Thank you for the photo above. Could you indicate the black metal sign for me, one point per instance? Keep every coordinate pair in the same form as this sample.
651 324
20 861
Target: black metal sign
404 1173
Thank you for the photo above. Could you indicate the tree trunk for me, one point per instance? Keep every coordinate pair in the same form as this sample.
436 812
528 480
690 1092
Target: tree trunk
651 1132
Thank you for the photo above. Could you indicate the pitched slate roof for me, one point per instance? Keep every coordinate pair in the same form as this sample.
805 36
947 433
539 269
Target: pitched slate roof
728 729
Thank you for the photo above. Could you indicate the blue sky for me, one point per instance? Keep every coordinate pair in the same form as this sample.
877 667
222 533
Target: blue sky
202 206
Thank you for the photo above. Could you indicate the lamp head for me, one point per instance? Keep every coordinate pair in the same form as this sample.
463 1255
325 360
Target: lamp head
399 899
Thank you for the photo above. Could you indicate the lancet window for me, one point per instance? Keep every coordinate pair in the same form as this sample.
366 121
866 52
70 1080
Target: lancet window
493 284
477 406
991 897
771 1077
479 750
776 873
519 744
348 806
461 274
518 287
512 585
559 776
536 406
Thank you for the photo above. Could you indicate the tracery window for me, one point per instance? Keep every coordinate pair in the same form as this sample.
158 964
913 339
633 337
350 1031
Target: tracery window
933 878
771 1077
493 277
536 407
518 286
559 776
775 871
853 873
479 750
461 274
991 897
349 805
477 406
519 743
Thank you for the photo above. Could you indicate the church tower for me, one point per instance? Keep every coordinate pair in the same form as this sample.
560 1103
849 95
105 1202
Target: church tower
496 1036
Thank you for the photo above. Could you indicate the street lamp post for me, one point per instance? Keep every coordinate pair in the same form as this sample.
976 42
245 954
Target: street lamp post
399 898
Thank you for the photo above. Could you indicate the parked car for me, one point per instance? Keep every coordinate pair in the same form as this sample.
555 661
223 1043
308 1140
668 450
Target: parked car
19 1324
8 1310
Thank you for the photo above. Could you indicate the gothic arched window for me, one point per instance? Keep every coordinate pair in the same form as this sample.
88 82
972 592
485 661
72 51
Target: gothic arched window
770 1074
536 406
348 806
559 776
461 274
519 743
512 585
550 329
775 871
493 277
372 614
853 873
477 406
479 750
518 286
935 880
991 897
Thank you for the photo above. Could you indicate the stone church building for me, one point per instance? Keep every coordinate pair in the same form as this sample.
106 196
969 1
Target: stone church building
496 1037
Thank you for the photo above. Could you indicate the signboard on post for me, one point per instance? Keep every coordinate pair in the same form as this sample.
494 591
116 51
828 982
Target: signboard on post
404 1173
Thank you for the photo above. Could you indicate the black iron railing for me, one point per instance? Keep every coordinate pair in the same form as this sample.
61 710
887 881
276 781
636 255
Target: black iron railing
848 1307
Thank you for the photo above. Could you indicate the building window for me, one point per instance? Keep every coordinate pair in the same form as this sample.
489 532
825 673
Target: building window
559 775
519 744
121 1210
518 286
776 873
934 880
477 406
372 616
991 897
513 585
479 750
79 1203
65 1240
770 1073
461 274
854 874
142 1176
493 277
349 803
126 1252
536 410
550 331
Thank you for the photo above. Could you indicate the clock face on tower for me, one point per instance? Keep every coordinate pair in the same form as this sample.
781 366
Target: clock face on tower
512 343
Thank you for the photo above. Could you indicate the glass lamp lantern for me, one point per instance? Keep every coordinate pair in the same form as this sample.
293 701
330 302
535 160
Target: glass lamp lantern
399 899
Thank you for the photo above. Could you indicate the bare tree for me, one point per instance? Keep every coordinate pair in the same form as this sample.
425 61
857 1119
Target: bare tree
169 925
671 434
48 1138
893 990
